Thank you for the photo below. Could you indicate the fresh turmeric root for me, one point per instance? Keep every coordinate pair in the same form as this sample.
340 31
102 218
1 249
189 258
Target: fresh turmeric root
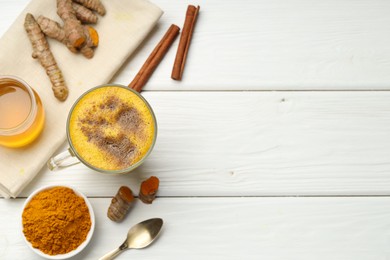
91 43
41 51
54 30
51 28
74 31
84 14
95 5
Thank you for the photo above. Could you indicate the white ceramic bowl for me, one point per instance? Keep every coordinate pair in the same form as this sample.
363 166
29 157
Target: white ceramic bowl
81 246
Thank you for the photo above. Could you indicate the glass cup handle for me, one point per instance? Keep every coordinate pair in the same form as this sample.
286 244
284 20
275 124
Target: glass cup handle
62 160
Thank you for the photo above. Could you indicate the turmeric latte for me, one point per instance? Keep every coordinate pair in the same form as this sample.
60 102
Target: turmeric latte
111 128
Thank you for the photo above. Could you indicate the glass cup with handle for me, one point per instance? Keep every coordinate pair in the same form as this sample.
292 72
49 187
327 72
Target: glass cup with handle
110 128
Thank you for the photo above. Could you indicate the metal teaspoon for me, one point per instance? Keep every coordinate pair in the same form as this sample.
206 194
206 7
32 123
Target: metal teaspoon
139 236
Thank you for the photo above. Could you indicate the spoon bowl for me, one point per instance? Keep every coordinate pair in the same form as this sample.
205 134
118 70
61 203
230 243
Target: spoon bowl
139 236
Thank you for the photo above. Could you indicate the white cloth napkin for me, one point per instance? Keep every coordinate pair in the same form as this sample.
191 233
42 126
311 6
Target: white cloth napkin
121 30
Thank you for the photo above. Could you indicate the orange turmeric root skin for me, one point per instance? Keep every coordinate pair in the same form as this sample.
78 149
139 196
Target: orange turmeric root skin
41 51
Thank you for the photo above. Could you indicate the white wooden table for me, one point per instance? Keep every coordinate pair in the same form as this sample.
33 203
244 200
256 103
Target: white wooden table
276 144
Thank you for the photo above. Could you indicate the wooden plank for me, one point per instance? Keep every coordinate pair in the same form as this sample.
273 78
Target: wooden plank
232 228
278 44
258 144
262 44
9 10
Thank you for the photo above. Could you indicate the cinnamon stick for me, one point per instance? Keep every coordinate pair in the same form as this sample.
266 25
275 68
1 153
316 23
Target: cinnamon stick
154 58
184 43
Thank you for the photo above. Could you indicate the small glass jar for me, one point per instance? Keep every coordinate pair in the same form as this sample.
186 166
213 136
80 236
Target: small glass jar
22 115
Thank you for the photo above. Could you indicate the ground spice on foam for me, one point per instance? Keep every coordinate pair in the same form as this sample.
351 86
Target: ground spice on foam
119 149
56 221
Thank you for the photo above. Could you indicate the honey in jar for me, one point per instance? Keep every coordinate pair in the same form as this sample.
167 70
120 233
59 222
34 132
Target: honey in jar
21 113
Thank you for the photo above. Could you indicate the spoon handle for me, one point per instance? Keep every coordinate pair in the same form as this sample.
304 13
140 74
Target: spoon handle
111 255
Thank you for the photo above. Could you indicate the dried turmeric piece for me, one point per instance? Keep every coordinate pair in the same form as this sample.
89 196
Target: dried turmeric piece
148 190
120 204
84 14
74 31
41 51
94 5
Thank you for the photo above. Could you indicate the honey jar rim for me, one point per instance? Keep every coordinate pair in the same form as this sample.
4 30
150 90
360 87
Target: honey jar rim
26 123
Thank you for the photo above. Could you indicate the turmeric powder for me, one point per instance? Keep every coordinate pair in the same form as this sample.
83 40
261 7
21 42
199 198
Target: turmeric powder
56 221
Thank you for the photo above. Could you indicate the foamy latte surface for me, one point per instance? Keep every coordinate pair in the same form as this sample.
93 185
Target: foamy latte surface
111 128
